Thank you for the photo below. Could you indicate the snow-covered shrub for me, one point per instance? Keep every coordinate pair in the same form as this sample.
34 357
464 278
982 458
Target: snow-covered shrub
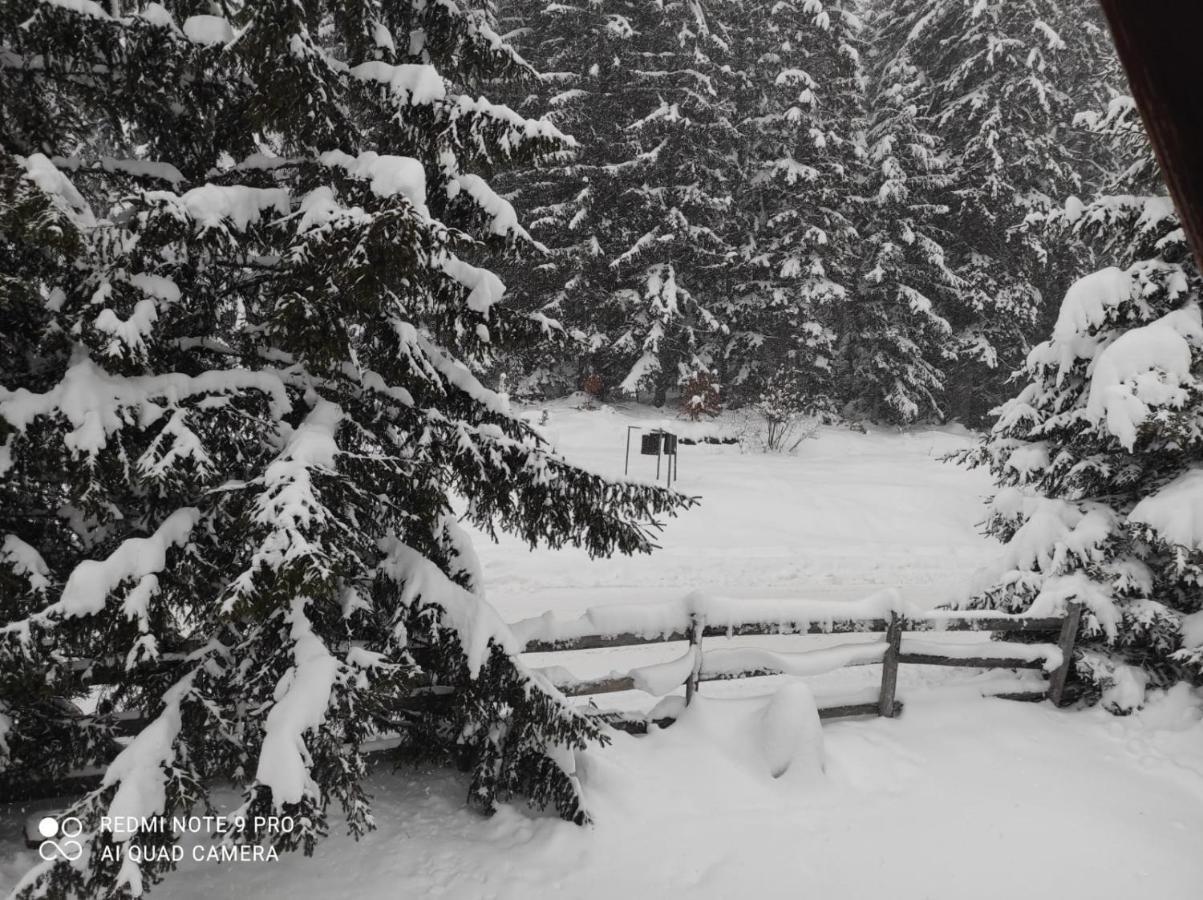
593 385
238 393
1100 495
700 397
787 417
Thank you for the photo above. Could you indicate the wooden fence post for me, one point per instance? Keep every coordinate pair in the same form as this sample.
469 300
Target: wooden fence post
889 667
696 627
1069 634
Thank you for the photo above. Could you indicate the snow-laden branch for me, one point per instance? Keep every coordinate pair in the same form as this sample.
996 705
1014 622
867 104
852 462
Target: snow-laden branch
1144 368
473 619
58 187
409 84
388 175
302 698
288 506
216 205
484 288
25 561
503 218
136 559
97 403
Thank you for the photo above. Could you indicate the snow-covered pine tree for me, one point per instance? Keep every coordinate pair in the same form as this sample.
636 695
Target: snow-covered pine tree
1003 79
237 403
895 338
798 67
637 216
1098 458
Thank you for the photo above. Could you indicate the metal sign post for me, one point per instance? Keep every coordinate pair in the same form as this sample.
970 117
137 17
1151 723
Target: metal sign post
626 467
658 443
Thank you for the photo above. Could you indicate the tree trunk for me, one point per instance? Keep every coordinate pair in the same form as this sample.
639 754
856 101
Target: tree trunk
667 376
660 397
1158 44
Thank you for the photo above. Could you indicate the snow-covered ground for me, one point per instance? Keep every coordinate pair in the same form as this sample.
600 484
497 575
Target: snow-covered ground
961 798
843 516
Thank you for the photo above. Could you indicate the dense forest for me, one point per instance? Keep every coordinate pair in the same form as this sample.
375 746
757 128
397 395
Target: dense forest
869 210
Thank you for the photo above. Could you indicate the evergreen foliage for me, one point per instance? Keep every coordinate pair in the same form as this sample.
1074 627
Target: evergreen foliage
896 334
241 330
635 219
800 77
1097 458
857 208
996 85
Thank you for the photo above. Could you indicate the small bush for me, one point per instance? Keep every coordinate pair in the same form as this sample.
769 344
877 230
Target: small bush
788 418
700 397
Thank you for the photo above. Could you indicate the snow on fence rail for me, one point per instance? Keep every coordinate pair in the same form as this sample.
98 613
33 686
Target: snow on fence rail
698 616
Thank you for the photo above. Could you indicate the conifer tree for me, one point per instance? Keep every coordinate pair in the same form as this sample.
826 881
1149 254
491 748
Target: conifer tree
1097 458
240 332
799 72
896 335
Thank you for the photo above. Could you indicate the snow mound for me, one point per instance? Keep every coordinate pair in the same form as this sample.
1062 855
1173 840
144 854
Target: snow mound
413 84
1089 299
208 31
791 733
42 172
389 175
1126 691
1143 368
1175 512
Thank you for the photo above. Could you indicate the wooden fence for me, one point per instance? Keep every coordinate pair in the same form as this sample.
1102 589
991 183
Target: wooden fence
698 665
894 649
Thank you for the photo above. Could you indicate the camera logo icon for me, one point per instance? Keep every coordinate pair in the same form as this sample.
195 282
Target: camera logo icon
67 829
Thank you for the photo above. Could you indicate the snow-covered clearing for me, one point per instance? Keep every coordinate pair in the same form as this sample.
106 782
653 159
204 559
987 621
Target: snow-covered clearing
844 516
961 798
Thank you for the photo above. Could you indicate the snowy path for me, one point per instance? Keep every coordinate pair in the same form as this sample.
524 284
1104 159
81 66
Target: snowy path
962 798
